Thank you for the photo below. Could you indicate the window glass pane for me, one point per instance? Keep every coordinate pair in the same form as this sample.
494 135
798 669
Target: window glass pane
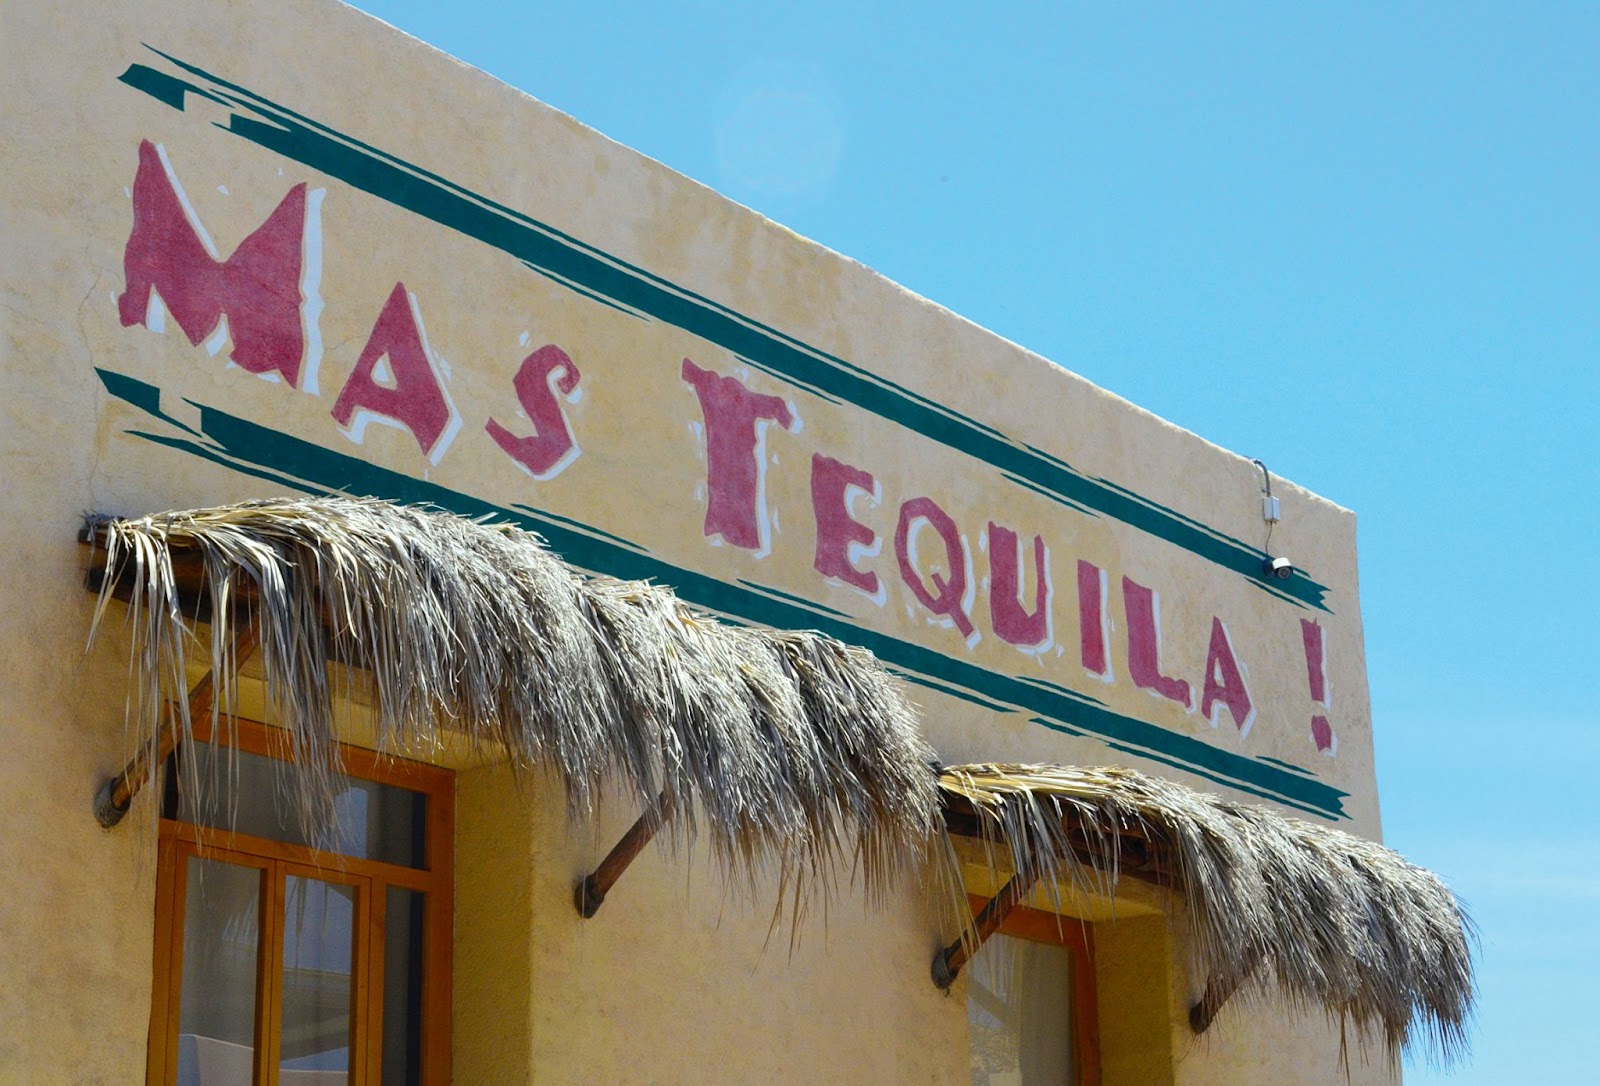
1019 1013
318 938
244 793
402 988
217 1004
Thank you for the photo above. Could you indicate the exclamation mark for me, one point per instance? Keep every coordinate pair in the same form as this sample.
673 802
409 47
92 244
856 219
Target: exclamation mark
1316 675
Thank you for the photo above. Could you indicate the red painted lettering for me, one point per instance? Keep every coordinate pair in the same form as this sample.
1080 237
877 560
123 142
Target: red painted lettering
947 598
253 298
1311 642
396 382
1322 733
544 375
841 538
1013 623
736 420
1092 623
1144 645
1224 684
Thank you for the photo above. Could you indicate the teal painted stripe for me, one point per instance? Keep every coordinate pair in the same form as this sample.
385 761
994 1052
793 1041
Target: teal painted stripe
952 691
1264 794
266 450
1044 684
146 398
1050 494
580 526
207 453
408 186
585 291
1290 766
163 87
798 601
1273 590
769 371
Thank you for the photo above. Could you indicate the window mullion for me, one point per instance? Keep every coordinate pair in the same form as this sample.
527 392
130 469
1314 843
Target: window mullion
438 927
377 931
269 976
361 982
172 883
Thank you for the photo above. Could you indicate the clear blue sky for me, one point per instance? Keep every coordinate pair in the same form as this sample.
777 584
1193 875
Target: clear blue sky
1361 243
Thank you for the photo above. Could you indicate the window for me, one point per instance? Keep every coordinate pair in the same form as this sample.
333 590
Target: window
1031 1012
283 961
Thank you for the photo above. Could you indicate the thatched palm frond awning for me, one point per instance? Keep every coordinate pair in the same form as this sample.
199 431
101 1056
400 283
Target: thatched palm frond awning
1334 920
788 749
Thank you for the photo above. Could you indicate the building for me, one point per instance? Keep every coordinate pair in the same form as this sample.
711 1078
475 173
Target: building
282 253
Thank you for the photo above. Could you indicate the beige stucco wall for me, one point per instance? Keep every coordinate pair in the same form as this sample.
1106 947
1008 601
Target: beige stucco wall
670 958
677 978
1255 1039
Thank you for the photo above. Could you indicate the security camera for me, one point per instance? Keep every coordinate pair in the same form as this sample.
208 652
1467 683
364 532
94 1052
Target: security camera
1279 567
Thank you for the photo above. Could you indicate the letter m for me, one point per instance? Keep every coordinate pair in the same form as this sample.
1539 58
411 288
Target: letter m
252 298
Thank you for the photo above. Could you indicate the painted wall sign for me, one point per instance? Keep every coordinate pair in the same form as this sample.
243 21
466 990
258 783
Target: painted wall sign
263 249
334 316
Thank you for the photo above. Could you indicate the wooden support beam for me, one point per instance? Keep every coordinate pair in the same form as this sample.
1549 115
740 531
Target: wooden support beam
188 575
115 796
590 893
1139 856
948 962
1218 991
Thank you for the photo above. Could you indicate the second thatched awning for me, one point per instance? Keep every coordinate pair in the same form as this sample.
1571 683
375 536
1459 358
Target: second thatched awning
1326 918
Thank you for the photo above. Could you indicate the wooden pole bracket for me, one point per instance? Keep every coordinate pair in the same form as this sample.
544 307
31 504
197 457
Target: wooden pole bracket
115 796
1218 991
590 892
947 963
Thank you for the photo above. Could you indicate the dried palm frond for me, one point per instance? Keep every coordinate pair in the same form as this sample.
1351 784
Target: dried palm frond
791 750
794 753
1337 921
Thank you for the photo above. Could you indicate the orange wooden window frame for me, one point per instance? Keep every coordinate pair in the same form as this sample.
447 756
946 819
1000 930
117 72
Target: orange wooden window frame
1077 937
178 841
